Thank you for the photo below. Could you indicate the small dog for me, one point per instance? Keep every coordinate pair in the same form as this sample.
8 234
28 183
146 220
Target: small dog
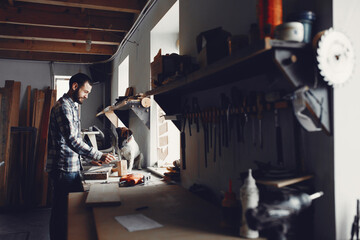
128 148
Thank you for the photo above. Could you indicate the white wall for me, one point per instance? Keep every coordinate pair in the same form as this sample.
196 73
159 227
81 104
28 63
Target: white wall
346 124
139 62
39 74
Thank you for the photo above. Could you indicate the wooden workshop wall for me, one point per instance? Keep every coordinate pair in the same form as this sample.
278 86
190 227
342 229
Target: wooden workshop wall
234 16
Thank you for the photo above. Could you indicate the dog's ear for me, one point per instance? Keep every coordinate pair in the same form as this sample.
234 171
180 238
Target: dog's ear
129 133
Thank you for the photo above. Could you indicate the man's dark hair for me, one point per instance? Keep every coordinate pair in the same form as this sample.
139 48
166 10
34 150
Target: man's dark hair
80 79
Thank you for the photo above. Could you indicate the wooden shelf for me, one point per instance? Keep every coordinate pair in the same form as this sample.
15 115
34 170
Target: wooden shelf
253 60
140 106
284 182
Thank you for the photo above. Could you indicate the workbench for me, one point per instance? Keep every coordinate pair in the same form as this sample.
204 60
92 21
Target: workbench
183 215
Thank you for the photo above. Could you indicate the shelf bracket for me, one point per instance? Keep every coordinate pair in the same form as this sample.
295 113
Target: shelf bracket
140 106
295 64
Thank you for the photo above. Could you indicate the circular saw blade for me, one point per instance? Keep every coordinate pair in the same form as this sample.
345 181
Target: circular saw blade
335 56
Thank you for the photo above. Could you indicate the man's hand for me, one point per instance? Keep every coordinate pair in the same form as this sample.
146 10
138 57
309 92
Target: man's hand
107 158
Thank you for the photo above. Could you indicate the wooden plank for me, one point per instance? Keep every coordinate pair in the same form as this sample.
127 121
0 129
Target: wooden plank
129 6
3 126
103 195
81 224
9 117
12 31
97 172
112 117
28 104
59 47
284 182
183 214
49 16
55 57
41 175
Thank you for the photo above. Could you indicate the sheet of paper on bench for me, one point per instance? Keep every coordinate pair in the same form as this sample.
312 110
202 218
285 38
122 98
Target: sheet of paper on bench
137 222
103 195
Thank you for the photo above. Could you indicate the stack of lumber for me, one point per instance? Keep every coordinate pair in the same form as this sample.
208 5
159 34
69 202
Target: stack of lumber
9 114
23 148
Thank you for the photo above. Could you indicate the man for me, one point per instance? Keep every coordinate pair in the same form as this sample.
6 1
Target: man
65 146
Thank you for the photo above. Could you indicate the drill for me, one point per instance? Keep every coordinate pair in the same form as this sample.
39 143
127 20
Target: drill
275 217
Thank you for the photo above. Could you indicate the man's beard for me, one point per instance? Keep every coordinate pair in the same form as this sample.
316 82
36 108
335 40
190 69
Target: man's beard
76 96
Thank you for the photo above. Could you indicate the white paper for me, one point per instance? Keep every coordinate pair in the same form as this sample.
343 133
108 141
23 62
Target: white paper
137 222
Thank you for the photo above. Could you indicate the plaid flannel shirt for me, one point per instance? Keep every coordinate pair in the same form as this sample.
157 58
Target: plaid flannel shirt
65 144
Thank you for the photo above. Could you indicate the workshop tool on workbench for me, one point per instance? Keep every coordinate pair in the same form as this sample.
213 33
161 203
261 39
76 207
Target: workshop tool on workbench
134 179
355 225
275 216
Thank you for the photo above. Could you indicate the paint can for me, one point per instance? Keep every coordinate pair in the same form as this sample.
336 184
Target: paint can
307 18
290 31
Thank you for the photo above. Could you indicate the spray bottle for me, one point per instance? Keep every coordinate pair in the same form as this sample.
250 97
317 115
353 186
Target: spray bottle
249 197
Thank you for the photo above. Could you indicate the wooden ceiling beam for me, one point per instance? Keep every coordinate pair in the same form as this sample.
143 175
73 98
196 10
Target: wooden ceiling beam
130 6
53 57
12 31
37 17
60 47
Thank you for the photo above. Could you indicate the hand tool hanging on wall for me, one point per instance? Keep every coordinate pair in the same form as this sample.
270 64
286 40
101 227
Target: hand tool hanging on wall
274 98
218 114
214 123
205 132
236 97
182 137
225 118
188 115
251 108
196 110
260 108
210 127
243 118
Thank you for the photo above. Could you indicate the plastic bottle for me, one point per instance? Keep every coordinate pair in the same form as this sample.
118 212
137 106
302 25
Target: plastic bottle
249 197
229 206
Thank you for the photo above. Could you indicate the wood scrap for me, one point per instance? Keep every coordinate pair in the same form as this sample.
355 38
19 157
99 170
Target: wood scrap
103 195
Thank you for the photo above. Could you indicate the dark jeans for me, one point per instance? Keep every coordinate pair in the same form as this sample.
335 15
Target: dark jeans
63 183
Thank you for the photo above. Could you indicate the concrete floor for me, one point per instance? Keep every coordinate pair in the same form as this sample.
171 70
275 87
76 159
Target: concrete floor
25 225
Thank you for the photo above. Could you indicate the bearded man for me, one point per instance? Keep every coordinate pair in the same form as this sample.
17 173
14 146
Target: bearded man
65 146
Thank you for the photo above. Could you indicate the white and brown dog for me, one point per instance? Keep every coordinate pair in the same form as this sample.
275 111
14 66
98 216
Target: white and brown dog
128 148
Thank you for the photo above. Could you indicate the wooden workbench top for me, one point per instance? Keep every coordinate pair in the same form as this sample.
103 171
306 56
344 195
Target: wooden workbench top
182 214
